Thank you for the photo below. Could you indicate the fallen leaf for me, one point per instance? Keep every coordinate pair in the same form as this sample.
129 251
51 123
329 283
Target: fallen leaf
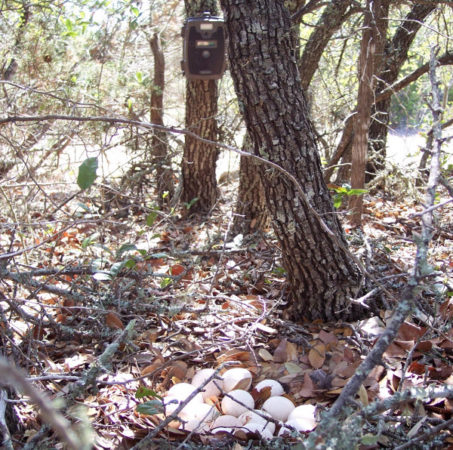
280 354
265 355
113 321
317 355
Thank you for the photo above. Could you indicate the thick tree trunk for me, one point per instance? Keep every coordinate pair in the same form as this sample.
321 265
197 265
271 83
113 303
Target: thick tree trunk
251 212
160 153
322 275
199 184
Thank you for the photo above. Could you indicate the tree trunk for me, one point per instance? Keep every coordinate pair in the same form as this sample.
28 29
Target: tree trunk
199 184
160 153
322 275
395 56
364 103
251 212
330 21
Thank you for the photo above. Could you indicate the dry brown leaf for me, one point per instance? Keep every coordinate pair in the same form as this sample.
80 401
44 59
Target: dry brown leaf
363 395
328 338
234 355
113 321
410 332
292 353
317 355
308 388
280 354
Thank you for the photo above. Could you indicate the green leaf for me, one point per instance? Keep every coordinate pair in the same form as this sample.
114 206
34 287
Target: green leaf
87 173
90 240
150 408
357 191
165 282
337 201
369 439
125 248
143 391
139 76
151 218
116 268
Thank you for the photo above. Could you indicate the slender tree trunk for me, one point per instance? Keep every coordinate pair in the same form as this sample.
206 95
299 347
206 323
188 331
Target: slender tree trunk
396 51
160 153
322 275
251 212
330 21
199 184
393 57
364 103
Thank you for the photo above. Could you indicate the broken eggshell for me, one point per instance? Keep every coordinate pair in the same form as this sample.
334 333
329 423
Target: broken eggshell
237 378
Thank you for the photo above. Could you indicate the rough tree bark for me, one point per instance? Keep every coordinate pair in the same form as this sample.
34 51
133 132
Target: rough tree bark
199 159
322 275
367 62
160 153
396 52
394 56
250 212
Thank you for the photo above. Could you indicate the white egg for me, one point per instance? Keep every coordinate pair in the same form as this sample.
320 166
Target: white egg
182 391
258 428
298 424
237 378
195 425
213 388
257 416
231 407
306 412
276 387
278 407
226 421
225 424
170 404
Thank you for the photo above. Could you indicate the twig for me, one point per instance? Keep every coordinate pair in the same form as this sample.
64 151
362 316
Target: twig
62 427
101 364
7 443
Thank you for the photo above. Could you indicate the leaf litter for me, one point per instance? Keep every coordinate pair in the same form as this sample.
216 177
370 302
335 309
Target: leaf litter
199 304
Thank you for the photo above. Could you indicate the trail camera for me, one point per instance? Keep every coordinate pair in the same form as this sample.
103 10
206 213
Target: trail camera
203 47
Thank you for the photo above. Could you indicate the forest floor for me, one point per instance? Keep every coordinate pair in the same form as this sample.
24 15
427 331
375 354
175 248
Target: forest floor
109 303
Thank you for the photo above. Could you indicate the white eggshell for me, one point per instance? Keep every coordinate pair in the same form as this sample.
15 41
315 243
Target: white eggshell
231 407
257 417
195 425
202 411
226 421
170 404
225 424
278 407
213 388
182 390
254 427
306 412
237 378
298 424
276 387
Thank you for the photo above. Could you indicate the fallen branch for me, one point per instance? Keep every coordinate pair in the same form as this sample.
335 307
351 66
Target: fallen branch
62 427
